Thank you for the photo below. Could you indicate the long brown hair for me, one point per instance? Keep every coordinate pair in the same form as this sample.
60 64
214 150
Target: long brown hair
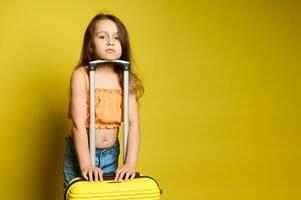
87 54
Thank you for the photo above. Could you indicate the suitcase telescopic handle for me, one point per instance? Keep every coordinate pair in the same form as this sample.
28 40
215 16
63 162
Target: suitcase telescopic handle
92 67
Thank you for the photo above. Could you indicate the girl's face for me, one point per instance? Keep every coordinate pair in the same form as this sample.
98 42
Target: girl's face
106 42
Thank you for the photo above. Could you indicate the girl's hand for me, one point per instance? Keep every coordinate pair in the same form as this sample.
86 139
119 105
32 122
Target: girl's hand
89 172
127 170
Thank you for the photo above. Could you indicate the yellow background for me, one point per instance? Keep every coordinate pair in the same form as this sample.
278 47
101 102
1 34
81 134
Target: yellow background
220 115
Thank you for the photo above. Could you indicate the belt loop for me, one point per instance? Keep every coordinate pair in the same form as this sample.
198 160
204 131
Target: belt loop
116 144
68 137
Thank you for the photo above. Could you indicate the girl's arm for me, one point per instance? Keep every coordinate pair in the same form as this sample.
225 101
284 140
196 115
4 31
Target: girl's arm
79 131
129 168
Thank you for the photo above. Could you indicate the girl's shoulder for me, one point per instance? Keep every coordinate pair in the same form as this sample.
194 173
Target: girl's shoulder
82 68
81 74
80 71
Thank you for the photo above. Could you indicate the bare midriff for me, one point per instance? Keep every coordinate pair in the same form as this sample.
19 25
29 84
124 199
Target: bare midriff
105 137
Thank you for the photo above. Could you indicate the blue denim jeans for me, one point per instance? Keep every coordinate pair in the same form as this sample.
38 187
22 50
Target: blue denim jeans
105 159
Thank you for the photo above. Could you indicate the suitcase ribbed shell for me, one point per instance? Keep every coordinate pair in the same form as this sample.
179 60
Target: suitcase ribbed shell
140 188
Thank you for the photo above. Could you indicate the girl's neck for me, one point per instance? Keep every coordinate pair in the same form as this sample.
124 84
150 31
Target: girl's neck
105 68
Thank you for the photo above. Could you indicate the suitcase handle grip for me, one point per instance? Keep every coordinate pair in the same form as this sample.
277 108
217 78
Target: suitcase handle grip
111 175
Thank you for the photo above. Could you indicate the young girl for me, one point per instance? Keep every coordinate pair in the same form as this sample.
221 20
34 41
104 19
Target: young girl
106 38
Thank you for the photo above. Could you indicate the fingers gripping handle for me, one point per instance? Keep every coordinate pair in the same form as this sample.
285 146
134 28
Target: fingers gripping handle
92 67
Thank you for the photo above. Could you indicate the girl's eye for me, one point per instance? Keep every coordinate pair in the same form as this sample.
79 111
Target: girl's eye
102 37
116 38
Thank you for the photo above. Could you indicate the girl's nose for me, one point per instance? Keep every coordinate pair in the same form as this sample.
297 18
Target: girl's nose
110 41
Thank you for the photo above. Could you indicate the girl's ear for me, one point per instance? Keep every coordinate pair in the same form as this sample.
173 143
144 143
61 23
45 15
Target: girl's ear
91 47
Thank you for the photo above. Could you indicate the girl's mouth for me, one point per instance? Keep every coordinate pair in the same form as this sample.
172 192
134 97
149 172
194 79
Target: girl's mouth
110 50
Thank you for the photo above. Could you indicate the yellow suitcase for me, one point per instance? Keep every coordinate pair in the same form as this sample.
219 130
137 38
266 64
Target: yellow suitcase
141 187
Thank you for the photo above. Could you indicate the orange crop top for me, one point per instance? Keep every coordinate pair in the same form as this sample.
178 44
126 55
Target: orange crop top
108 105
